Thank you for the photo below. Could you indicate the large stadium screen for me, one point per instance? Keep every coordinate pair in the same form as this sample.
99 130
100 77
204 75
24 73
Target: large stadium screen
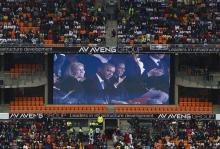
111 79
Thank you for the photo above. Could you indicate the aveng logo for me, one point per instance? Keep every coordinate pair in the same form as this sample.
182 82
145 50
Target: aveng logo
175 116
25 116
97 50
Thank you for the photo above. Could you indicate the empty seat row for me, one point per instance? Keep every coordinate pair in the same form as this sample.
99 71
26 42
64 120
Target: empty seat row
32 98
161 109
28 101
59 109
20 69
81 109
192 99
24 68
196 104
145 109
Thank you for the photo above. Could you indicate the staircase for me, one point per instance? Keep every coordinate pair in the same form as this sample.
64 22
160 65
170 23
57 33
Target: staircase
4 108
111 41
111 109
216 109
110 144
125 126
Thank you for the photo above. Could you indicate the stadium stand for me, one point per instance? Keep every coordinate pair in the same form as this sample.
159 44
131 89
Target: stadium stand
51 22
59 23
168 22
190 119
62 134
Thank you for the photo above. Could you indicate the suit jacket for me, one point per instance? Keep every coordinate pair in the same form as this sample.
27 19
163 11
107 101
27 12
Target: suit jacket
121 92
160 82
71 91
134 84
95 93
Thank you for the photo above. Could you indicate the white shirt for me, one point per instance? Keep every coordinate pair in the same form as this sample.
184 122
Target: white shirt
156 61
101 81
114 138
68 147
25 147
141 65
97 130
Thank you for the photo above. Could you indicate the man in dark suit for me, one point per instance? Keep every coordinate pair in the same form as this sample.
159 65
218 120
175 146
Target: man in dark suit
156 77
133 73
99 87
156 71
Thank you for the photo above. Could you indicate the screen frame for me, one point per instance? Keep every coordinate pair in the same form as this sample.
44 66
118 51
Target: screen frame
171 87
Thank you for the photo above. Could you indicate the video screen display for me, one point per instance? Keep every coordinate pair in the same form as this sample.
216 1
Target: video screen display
111 79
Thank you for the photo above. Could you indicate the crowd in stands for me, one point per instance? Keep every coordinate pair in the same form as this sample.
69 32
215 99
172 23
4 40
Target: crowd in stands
172 22
69 22
40 22
170 134
49 134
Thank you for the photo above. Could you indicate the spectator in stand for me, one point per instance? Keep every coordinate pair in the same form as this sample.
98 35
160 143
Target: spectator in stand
160 22
53 134
113 33
139 22
53 22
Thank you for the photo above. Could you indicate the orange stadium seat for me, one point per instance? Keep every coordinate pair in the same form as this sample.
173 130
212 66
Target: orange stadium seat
62 38
197 104
197 99
193 104
187 109
193 99
189 99
48 42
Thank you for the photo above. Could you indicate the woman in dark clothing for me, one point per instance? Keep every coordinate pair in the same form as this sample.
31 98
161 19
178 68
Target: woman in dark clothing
72 85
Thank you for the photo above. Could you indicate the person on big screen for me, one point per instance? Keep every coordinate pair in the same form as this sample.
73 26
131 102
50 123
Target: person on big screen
120 93
156 78
72 85
59 60
57 94
133 72
139 88
93 61
70 58
99 88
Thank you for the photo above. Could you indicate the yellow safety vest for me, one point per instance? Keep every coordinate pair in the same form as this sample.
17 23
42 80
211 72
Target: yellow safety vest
90 130
69 123
100 119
